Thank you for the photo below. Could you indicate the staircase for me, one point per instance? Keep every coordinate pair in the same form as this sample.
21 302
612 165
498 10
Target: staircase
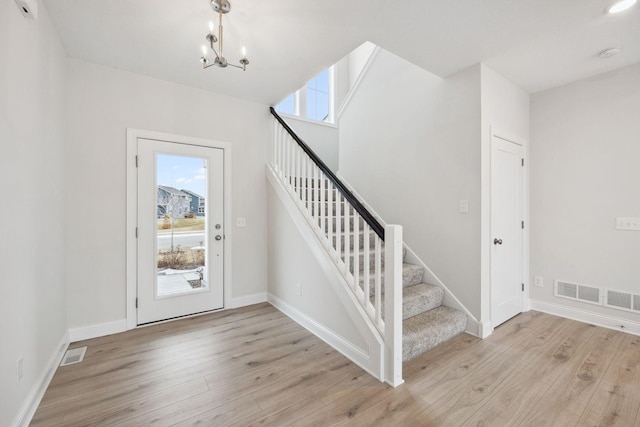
405 315
426 323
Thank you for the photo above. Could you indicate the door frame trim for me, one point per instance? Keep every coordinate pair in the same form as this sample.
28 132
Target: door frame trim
485 228
132 212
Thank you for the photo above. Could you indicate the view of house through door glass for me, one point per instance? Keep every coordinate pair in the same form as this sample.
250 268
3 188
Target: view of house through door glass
181 240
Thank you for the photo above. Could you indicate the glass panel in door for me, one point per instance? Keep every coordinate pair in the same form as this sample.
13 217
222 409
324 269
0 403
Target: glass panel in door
181 183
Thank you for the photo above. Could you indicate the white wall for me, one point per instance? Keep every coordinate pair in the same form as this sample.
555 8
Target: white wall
504 107
585 152
102 104
321 138
410 145
32 215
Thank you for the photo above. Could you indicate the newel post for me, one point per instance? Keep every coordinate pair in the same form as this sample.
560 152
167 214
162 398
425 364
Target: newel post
393 304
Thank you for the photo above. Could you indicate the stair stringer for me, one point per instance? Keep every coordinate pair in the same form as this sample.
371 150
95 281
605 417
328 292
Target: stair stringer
370 359
450 300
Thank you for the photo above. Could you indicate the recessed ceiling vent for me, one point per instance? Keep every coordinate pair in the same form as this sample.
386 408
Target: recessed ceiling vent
577 292
73 356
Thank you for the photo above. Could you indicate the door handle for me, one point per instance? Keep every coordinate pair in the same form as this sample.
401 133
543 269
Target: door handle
497 241
218 237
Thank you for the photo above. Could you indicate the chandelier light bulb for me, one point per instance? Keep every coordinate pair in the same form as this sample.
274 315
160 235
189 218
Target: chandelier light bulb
210 27
620 6
204 51
244 52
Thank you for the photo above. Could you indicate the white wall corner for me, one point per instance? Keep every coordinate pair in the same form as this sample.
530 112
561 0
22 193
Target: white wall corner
484 329
245 300
97 330
603 320
32 401
356 84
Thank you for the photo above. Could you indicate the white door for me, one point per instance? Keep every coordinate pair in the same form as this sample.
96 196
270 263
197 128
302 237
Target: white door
507 285
180 230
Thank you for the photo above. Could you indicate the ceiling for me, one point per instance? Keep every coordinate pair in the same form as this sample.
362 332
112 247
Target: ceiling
537 44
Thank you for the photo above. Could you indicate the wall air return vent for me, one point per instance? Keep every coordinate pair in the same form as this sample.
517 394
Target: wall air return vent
622 300
576 292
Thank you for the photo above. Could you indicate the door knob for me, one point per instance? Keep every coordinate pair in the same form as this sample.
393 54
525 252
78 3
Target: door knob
218 237
497 241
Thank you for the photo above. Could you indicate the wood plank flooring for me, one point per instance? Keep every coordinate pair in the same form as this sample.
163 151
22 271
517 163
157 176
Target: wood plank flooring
255 366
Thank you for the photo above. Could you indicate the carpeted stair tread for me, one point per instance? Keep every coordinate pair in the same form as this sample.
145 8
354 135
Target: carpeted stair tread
419 298
411 275
425 331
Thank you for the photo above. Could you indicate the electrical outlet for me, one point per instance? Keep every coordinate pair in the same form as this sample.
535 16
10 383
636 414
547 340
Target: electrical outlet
20 369
298 289
538 281
241 222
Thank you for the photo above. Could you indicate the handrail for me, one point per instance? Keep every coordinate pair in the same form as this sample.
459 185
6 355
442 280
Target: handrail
366 215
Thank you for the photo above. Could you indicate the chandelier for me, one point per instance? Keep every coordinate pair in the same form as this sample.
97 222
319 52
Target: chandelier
216 42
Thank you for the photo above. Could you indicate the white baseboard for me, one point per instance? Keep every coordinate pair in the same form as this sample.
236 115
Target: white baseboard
590 317
355 354
98 330
246 300
31 403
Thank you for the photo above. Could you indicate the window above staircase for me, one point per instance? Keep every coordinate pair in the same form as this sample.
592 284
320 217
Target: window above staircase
314 101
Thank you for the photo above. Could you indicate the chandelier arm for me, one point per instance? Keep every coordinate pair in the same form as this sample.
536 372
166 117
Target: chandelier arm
220 36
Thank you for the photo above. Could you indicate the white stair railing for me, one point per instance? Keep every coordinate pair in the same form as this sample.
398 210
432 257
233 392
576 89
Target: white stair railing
368 255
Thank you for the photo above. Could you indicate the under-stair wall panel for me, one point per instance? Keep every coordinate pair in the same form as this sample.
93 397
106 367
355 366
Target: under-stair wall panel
304 285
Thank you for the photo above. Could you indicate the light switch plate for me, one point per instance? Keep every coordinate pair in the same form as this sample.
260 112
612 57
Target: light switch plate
463 206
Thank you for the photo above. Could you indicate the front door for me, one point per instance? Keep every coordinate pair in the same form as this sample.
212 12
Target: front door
507 288
180 230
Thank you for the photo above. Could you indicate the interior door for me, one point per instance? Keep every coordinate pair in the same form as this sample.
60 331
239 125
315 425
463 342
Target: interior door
180 254
507 285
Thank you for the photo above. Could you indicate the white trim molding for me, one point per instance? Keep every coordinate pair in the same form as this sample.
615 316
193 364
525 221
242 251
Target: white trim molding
32 401
131 223
97 330
603 320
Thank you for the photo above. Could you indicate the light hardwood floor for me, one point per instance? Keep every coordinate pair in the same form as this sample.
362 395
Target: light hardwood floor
255 366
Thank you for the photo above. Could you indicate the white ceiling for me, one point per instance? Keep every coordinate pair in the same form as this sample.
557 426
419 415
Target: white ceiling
537 44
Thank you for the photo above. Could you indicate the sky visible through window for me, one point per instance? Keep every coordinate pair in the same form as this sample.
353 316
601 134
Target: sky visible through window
182 172
314 99
318 96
